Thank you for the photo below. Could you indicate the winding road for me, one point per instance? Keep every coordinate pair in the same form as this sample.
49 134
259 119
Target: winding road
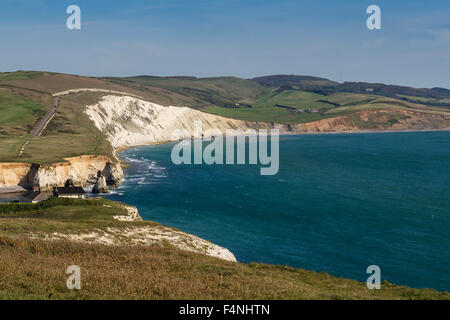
37 131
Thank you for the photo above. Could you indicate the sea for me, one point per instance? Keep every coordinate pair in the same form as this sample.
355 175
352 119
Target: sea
339 204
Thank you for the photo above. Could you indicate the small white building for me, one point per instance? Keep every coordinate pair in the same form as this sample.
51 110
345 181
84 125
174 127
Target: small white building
69 192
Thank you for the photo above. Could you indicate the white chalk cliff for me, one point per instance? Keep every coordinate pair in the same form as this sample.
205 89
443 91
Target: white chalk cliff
128 121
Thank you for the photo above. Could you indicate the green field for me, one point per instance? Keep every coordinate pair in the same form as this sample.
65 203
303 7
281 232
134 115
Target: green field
18 115
33 268
265 114
294 99
70 133
199 93
278 107
267 108
17 112
424 100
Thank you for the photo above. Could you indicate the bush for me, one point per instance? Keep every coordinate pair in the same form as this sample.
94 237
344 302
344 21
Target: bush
50 203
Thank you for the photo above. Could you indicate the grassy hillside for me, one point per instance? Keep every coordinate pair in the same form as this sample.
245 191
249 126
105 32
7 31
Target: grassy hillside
302 82
70 133
33 268
20 75
291 106
227 92
19 113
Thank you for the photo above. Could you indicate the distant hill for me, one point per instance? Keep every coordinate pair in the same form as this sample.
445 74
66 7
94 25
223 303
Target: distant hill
387 90
433 96
301 82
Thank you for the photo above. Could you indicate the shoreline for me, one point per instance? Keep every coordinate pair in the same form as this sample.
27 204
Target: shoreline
118 160
123 148
117 151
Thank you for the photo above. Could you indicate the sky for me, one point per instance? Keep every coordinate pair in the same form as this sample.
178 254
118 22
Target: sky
243 38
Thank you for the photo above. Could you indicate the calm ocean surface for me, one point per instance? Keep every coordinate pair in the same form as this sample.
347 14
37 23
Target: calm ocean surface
338 204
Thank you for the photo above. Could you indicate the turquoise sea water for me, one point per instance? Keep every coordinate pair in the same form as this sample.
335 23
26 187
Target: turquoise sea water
338 204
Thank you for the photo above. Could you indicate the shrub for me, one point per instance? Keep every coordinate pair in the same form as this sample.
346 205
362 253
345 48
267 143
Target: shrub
50 203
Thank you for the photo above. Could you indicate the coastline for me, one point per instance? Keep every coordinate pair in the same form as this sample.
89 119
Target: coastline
287 133
116 152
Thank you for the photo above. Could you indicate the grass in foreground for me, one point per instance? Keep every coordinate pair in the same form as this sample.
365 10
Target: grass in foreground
36 269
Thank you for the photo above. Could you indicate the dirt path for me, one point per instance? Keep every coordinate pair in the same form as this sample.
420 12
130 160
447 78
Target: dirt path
43 123
71 91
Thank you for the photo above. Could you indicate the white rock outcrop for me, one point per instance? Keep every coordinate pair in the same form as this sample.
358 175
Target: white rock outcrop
100 186
132 214
144 236
127 121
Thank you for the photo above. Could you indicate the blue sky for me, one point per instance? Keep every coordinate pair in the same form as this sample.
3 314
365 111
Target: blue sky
244 38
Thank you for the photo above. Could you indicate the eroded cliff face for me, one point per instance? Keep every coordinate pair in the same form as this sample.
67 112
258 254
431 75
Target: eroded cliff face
16 174
128 121
377 120
79 169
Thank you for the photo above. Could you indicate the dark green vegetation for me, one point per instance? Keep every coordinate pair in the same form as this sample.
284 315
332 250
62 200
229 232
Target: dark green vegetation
435 96
34 268
26 96
12 208
60 215
302 82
